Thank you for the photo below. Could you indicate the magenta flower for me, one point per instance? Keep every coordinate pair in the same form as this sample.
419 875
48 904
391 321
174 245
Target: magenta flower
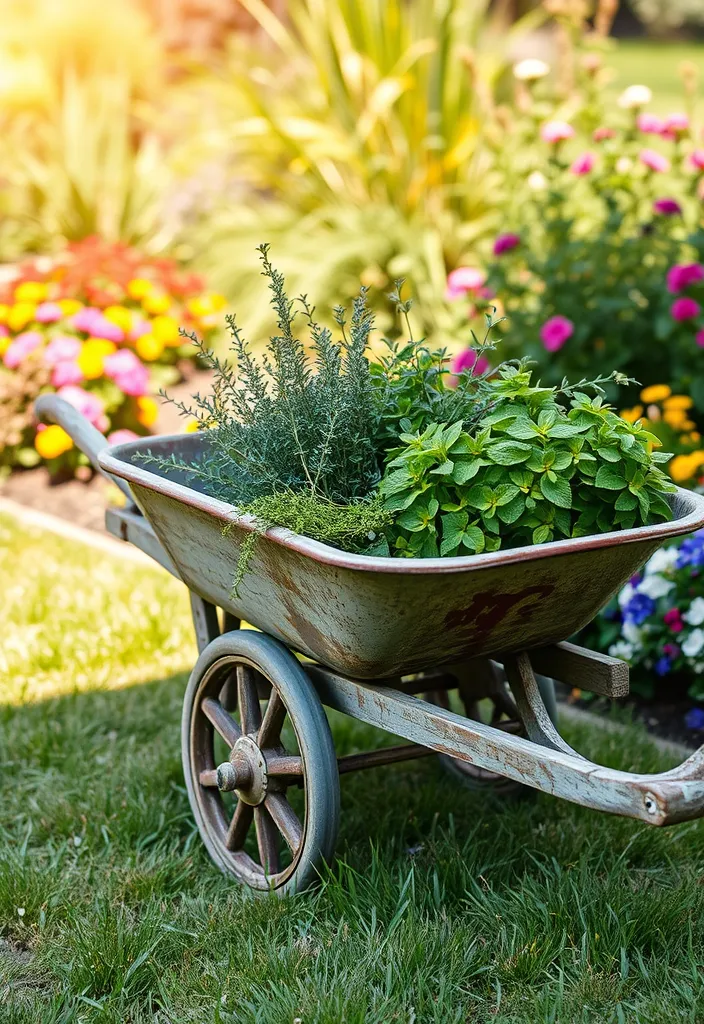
696 159
469 360
685 309
673 619
21 347
667 207
653 160
48 313
699 338
556 131
675 125
88 404
504 243
122 436
583 164
555 332
651 124
61 348
66 373
462 280
130 375
682 275
603 133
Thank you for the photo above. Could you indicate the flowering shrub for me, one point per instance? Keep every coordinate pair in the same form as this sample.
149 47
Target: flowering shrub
602 259
669 417
100 326
657 621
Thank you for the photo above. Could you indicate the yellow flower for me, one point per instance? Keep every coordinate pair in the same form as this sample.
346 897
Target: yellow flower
191 427
120 316
21 314
217 301
688 425
683 467
631 415
69 306
52 442
5 343
678 402
149 348
92 356
675 418
156 304
655 393
138 287
199 307
165 329
147 411
4 310
31 291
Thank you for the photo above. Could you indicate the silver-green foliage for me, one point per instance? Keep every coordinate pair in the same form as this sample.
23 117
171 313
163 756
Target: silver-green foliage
533 471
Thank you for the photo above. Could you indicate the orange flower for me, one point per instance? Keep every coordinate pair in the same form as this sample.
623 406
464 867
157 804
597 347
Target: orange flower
52 442
631 415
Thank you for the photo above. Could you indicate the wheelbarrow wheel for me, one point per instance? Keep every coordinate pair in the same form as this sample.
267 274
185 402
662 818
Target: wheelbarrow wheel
262 779
484 696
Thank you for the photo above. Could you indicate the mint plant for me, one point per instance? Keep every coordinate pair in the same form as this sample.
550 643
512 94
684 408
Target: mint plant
532 472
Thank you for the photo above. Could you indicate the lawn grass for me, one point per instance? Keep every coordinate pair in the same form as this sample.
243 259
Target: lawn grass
442 907
657 65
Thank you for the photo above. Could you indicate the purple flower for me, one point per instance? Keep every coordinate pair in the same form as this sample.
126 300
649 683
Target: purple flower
638 609
691 551
667 207
694 719
662 666
684 308
504 243
682 275
555 332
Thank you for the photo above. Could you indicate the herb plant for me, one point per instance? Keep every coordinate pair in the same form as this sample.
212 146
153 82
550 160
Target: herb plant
532 472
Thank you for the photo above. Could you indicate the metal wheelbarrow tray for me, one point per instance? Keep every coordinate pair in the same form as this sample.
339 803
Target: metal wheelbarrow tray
468 634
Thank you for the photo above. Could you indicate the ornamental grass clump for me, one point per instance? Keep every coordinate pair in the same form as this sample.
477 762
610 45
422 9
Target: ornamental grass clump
396 455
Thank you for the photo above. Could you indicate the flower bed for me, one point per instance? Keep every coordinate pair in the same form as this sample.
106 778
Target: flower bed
100 326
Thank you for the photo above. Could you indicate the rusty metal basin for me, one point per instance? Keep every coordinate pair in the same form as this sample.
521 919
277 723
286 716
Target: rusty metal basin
370 617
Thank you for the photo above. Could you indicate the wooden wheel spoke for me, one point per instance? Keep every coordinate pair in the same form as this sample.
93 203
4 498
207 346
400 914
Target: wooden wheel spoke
248 699
209 777
285 818
239 826
283 764
224 724
267 840
273 720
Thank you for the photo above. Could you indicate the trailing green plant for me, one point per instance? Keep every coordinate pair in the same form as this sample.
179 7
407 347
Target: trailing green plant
531 472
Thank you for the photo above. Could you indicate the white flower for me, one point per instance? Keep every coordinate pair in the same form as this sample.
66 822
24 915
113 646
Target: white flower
537 181
695 613
621 649
633 635
661 561
624 164
531 69
694 643
655 586
635 96
626 594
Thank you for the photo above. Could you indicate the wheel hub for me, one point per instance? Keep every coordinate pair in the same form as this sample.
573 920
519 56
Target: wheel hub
244 773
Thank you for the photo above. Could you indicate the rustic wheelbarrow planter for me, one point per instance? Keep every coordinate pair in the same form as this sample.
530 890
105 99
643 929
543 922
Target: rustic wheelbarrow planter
377 631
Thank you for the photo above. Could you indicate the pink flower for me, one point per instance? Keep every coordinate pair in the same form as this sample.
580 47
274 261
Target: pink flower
653 160
462 280
140 326
130 375
696 159
673 619
651 124
85 318
555 332
556 131
668 207
61 348
65 373
675 125
21 347
699 338
469 360
603 133
104 328
122 436
504 243
583 164
682 275
671 650
48 313
685 309
88 404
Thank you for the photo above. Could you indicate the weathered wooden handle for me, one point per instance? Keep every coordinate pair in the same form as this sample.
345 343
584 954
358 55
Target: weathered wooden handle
52 409
578 667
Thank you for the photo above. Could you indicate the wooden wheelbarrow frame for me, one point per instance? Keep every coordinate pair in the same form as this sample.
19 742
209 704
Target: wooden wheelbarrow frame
380 630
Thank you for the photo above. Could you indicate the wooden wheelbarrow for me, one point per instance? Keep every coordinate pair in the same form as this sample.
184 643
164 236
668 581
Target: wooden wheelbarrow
258 755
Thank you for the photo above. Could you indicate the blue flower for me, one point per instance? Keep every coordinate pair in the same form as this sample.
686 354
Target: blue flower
638 609
694 719
691 551
663 665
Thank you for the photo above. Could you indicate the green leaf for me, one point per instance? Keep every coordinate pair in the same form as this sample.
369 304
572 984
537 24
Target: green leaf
474 538
510 513
609 454
466 470
542 534
509 453
558 491
445 469
565 430
625 502
608 478
505 493
450 434
449 545
523 429
454 522
480 497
